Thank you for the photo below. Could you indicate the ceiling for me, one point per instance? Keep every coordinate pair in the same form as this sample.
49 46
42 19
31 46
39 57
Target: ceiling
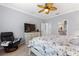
32 9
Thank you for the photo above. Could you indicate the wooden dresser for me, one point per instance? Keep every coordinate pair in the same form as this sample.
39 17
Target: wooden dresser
30 36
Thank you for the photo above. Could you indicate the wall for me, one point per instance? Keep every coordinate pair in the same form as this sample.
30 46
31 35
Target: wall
72 22
12 20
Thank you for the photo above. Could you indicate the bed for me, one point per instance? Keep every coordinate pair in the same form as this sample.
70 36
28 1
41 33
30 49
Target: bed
55 45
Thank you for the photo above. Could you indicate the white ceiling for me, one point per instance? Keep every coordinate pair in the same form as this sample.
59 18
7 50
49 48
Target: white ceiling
32 9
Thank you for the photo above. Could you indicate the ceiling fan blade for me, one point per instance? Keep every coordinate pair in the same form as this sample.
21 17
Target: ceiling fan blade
49 4
53 8
41 10
41 6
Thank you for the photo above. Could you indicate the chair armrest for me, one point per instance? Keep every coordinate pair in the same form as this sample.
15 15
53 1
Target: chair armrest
16 40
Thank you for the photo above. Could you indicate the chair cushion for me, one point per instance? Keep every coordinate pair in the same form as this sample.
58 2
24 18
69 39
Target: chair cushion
5 43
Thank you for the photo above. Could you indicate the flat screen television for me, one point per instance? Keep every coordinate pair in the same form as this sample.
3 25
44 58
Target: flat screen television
29 27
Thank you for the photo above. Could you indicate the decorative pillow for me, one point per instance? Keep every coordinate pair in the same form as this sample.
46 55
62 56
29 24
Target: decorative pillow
75 41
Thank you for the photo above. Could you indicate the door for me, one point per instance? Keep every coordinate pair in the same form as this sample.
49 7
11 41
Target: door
46 29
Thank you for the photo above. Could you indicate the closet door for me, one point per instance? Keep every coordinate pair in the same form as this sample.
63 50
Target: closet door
46 29
43 29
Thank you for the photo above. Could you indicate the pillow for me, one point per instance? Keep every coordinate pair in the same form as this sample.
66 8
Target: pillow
76 34
74 41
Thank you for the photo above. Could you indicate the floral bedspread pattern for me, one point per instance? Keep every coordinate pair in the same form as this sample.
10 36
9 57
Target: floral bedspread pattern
56 45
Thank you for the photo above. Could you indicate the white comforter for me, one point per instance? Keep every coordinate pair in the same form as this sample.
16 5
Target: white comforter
55 45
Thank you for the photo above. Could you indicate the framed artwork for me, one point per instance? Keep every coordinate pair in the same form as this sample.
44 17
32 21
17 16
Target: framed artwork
62 28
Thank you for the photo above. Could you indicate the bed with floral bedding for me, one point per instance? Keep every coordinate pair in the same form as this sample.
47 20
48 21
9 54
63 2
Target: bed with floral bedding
55 45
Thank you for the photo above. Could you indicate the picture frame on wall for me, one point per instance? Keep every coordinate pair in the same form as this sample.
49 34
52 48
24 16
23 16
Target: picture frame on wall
62 28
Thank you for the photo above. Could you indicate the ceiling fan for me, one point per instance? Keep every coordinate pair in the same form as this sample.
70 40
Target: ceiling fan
47 7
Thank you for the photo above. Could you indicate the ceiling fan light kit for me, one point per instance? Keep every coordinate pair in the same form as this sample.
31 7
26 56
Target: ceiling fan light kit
47 8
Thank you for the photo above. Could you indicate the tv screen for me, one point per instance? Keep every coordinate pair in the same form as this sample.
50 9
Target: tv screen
29 27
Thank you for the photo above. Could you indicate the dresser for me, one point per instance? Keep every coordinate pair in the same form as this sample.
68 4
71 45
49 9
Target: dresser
30 36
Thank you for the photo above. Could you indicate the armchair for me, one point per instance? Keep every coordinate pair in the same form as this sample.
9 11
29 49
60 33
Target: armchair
9 42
